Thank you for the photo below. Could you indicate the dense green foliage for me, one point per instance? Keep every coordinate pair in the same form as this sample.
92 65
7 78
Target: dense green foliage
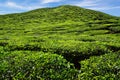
60 43
32 65
103 67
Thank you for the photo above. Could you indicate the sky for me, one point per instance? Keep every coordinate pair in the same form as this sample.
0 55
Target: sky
111 7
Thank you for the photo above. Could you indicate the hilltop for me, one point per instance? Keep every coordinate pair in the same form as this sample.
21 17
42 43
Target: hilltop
58 14
64 42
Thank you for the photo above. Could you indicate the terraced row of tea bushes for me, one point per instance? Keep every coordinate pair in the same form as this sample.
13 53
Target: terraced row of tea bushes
73 51
105 67
69 47
24 65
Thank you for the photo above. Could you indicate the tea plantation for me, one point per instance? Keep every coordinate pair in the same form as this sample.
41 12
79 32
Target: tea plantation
61 43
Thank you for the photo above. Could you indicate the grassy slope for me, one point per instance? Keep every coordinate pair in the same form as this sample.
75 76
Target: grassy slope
73 32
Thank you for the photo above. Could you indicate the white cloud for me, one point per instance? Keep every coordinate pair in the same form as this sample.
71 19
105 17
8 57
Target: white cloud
50 1
105 8
88 3
13 5
95 5
21 7
33 7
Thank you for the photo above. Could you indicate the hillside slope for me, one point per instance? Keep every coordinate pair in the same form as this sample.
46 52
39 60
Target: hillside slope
58 14
65 42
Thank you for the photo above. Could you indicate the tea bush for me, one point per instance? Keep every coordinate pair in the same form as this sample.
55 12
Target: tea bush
105 67
33 66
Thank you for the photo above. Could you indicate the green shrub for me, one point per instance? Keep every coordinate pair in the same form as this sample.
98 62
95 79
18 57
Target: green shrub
24 65
115 29
106 67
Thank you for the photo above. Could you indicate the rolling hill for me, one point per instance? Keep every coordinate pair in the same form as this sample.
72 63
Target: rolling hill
60 43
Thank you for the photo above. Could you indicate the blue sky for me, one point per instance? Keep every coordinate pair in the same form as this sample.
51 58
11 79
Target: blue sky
15 6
